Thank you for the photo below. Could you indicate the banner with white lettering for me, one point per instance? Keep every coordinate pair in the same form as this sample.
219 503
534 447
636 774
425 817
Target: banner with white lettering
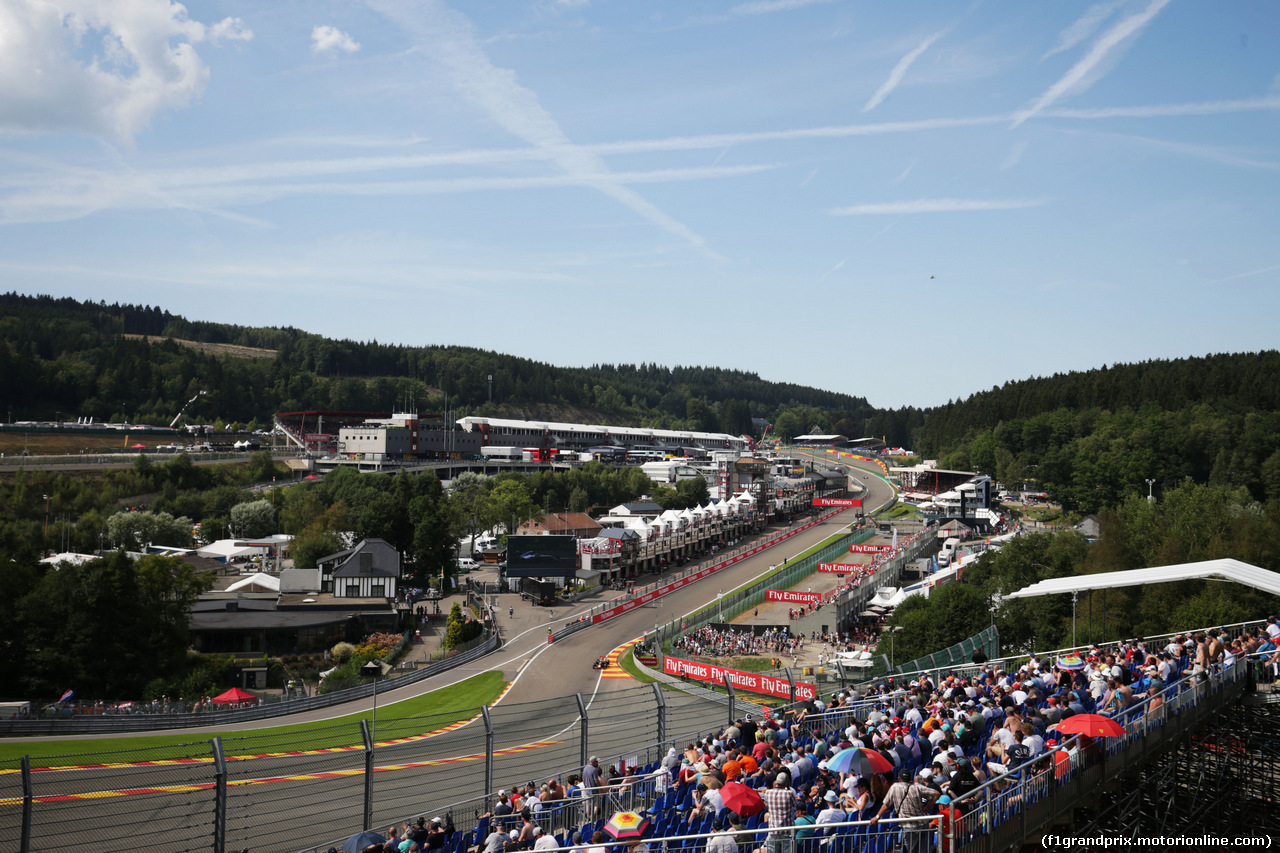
838 568
792 597
869 549
837 501
752 681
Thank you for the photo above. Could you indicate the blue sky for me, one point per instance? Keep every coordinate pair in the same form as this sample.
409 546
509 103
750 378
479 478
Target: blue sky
905 201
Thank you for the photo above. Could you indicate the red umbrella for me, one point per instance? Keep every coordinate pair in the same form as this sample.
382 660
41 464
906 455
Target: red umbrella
234 696
1093 725
626 826
312 477
138 447
741 799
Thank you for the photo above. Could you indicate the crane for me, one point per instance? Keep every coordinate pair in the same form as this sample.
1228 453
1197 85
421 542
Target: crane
178 416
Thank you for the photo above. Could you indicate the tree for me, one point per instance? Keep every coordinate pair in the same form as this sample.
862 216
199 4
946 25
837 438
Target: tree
110 626
469 503
434 541
512 503
253 520
135 530
453 627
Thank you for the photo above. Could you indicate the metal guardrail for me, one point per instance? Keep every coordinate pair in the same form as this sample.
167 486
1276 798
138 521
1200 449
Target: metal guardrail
85 724
999 816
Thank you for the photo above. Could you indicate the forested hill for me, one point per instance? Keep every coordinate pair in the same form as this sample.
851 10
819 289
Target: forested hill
1089 438
78 358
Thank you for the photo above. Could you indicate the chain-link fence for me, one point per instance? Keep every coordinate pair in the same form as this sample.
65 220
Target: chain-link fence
292 789
738 602
986 641
86 724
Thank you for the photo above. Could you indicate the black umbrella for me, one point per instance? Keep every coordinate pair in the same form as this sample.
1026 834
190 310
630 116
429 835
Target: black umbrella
361 840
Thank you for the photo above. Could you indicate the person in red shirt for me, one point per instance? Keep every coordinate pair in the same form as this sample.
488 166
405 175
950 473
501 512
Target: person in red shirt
948 815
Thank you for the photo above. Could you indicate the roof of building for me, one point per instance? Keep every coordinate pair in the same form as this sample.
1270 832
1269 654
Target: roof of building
569 521
346 564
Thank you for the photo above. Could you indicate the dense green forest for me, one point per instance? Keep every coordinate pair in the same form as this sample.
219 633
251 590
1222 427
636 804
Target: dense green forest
1094 438
62 355
54 622
1191 522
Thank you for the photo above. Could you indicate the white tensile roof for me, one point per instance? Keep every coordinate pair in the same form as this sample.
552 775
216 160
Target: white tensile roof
260 579
1225 569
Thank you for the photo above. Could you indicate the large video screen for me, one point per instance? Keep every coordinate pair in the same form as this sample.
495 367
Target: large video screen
541 556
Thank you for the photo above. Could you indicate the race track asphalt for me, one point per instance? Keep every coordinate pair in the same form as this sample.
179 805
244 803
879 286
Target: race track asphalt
305 797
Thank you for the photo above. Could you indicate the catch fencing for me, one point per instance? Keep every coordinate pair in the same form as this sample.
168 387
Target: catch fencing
986 641
737 602
285 790
102 724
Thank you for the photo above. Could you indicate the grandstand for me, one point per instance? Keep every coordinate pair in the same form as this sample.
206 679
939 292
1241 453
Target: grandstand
294 795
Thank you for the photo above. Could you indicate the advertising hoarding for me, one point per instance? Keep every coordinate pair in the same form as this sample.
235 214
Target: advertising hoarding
752 681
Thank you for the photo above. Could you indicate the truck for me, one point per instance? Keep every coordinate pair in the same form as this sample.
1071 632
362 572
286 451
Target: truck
950 550
669 471
539 591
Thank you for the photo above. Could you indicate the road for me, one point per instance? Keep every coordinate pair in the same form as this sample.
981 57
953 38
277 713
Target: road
295 797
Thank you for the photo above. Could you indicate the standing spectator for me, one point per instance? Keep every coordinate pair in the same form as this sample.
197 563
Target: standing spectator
780 802
910 799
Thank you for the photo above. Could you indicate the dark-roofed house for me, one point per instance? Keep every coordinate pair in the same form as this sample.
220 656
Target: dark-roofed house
637 509
369 570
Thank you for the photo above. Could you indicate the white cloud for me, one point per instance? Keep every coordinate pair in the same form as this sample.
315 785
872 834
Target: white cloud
1084 26
766 7
1249 274
936 205
899 71
450 40
229 29
104 68
81 194
325 39
1194 108
1085 73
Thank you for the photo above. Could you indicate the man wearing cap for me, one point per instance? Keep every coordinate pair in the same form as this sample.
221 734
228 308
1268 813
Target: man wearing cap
591 785
543 841
832 813
723 841
502 808
780 802
418 832
513 842
496 841
436 836
910 799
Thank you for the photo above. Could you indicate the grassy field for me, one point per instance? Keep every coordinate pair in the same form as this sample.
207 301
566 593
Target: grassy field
404 719
13 442
233 350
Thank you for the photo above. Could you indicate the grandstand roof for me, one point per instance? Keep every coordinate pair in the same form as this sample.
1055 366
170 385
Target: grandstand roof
1227 570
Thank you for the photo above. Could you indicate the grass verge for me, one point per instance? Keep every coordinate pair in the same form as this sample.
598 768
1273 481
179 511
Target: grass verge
627 661
403 719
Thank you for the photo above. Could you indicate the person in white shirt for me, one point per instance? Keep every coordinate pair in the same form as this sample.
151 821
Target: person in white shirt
543 841
723 841
832 813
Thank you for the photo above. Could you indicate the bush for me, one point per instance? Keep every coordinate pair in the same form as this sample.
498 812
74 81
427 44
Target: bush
343 652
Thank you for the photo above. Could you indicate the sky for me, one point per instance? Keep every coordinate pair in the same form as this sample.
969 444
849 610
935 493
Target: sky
908 202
